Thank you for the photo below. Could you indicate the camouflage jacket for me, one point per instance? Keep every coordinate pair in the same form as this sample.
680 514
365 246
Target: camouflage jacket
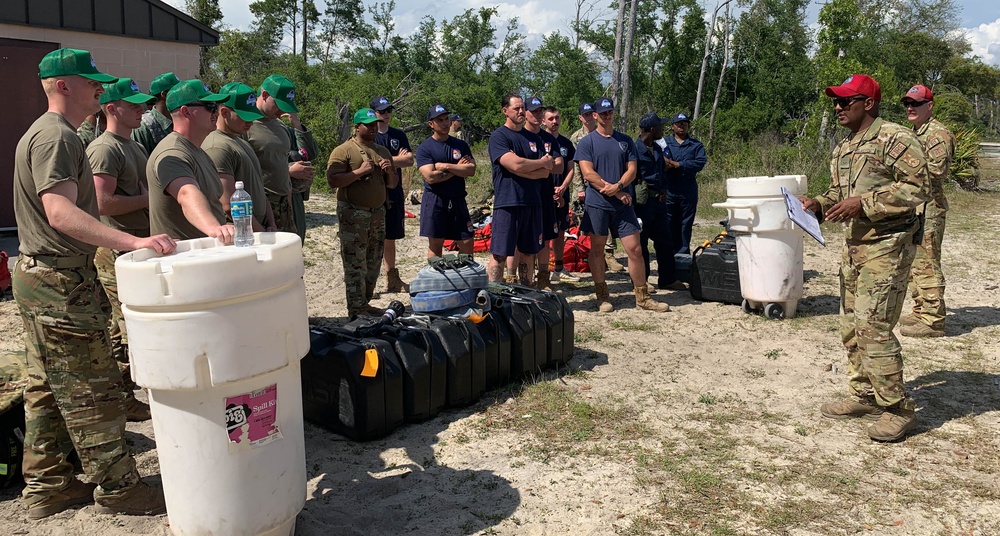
938 144
580 184
884 166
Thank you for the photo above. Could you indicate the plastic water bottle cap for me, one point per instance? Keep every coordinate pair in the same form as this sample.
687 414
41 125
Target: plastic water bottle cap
239 185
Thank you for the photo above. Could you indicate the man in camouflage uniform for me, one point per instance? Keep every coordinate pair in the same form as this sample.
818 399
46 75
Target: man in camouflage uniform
119 167
926 278
361 170
878 182
156 123
74 394
269 139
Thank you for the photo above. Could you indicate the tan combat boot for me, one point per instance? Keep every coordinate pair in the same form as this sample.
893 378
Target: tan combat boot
644 301
542 281
866 408
612 262
921 330
510 279
75 494
140 500
895 422
908 320
603 297
395 284
135 410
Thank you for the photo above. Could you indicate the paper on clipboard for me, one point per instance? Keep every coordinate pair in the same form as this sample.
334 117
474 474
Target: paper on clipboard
806 221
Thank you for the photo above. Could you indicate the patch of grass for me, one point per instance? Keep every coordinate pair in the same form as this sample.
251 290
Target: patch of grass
629 325
789 514
588 335
560 423
774 353
706 399
801 430
755 373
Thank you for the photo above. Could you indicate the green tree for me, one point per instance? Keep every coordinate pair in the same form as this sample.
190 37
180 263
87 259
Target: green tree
206 12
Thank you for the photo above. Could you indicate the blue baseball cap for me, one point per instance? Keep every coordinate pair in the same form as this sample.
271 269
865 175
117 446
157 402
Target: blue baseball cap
436 111
586 108
680 118
533 104
380 104
604 104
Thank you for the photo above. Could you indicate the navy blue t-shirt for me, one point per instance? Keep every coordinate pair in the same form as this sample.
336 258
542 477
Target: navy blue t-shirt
610 157
510 190
450 151
394 140
568 153
551 145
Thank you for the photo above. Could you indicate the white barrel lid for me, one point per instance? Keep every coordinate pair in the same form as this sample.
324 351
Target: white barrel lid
765 186
202 270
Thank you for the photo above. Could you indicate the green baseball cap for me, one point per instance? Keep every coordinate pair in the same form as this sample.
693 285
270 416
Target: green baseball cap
127 90
163 82
283 92
242 100
365 116
70 61
191 91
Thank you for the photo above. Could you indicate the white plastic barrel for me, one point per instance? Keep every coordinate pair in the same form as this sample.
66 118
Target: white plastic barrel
768 244
216 334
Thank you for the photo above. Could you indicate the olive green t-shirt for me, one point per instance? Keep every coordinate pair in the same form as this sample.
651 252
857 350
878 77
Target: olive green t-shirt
125 160
269 139
233 156
49 153
365 193
173 158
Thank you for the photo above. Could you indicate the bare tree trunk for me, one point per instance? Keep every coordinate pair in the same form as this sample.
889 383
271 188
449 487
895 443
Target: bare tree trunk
627 65
305 33
704 60
616 63
726 44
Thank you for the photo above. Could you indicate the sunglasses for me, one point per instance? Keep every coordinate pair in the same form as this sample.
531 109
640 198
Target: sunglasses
210 107
914 104
845 102
386 111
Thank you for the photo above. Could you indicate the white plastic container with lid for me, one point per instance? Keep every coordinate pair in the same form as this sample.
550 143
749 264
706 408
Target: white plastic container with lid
216 334
768 245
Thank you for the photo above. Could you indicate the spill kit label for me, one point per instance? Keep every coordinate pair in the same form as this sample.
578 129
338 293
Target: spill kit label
252 418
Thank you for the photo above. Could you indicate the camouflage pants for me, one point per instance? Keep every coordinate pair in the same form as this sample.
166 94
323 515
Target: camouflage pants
872 290
74 394
284 219
926 278
104 261
362 237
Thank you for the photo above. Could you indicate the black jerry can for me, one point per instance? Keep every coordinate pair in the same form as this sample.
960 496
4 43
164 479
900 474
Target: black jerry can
496 336
454 343
484 363
337 396
420 379
521 322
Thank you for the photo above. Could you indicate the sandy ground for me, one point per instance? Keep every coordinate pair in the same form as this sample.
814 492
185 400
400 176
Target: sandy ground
725 404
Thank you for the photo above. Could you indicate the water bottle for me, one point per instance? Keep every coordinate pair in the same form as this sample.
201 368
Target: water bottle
241 208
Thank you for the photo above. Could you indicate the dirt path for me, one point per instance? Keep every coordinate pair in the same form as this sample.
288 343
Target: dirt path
702 420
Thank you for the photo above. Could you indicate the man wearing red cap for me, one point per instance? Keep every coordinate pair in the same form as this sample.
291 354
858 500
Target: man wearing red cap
878 183
926 279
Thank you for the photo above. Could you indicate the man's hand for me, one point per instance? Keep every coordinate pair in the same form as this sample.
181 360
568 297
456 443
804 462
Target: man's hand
609 189
624 197
403 151
301 170
386 165
672 163
558 198
810 204
223 233
846 210
162 244
366 167
466 160
548 161
581 196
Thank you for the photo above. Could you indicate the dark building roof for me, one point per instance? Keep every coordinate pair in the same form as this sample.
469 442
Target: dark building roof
147 19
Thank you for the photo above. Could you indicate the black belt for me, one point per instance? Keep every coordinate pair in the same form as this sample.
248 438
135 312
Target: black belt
59 263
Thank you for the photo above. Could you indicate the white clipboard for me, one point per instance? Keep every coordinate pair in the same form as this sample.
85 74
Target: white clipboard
806 220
